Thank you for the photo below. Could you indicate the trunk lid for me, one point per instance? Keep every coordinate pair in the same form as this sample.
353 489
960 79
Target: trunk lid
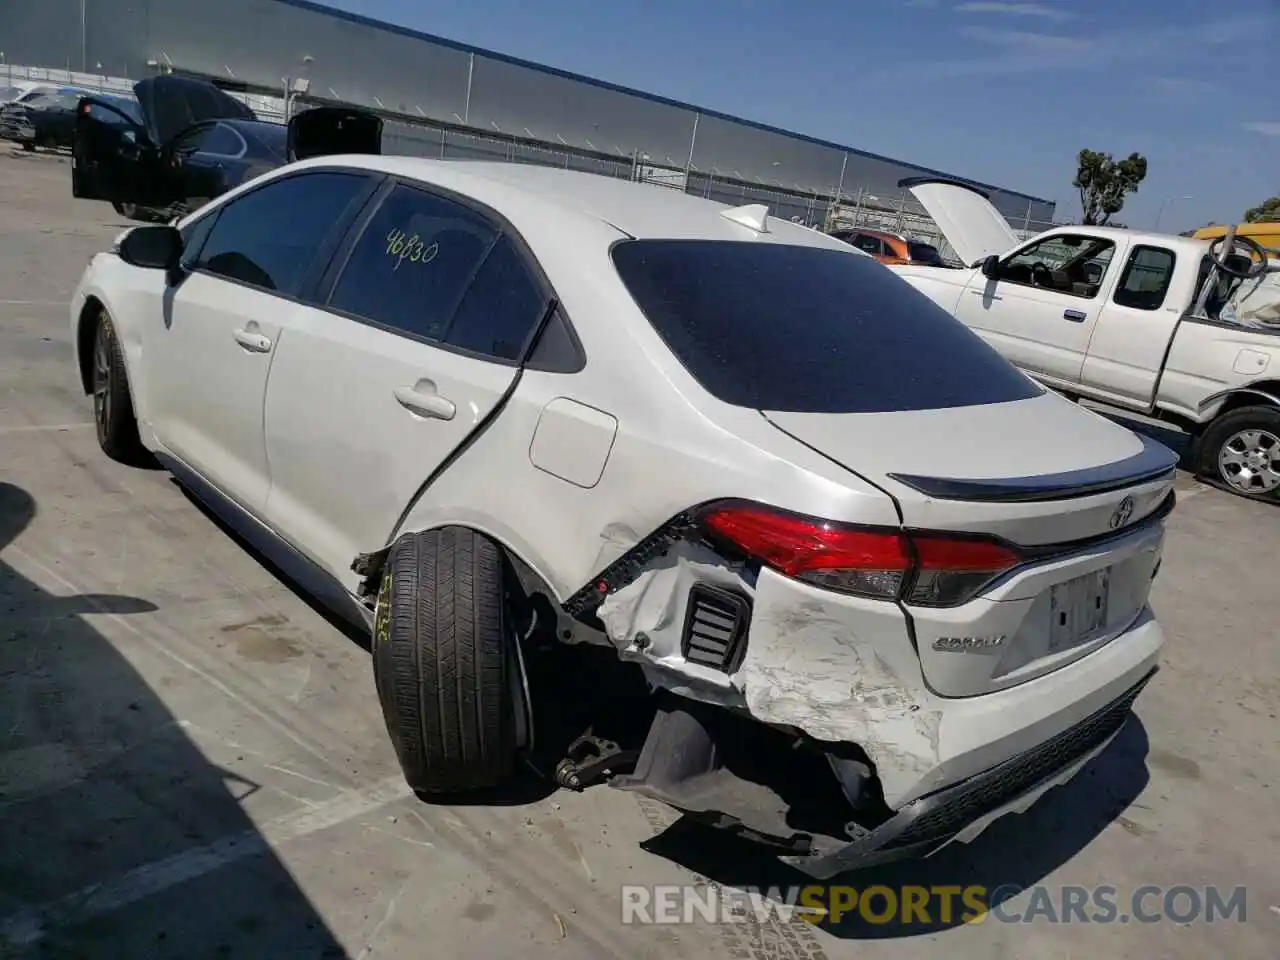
1068 489
324 131
1037 471
967 218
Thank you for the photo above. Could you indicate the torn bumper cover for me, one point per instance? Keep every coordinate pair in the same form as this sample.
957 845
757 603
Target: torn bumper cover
696 760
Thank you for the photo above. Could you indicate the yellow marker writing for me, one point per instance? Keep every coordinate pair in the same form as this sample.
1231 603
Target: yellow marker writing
409 248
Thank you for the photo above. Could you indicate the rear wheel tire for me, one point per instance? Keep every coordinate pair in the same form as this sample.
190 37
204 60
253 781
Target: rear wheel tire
113 415
28 145
1241 451
443 656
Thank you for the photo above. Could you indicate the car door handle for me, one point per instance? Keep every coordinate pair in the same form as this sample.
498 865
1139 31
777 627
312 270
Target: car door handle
254 342
425 404
1075 316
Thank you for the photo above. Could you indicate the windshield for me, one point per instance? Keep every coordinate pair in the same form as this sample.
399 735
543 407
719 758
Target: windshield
797 328
925 253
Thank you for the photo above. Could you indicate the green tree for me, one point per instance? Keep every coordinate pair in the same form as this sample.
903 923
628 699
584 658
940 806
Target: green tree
1267 210
1104 182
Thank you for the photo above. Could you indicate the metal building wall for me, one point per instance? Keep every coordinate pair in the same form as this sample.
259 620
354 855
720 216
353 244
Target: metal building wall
262 42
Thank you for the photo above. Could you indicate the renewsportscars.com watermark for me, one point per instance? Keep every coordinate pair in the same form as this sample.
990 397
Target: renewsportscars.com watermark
947 905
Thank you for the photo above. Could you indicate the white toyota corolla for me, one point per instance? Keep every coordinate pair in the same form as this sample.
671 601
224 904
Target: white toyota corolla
883 587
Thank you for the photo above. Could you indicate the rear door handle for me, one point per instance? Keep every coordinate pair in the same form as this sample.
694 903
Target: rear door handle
254 342
1075 316
425 404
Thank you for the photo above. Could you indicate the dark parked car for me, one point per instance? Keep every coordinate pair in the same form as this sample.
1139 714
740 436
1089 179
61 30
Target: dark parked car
188 141
43 117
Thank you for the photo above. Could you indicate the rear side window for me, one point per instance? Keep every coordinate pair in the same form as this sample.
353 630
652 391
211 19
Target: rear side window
501 307
269 237
776 327
411 265
223 141
1146 278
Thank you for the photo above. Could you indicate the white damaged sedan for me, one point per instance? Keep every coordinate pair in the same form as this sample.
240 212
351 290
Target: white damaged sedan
883 588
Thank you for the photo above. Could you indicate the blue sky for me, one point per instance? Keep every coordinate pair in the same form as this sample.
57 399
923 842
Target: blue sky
1004 92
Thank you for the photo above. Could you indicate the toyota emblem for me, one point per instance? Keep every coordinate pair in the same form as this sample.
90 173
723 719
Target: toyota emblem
1123 512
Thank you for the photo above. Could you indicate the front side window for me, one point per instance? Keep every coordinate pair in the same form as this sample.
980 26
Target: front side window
194 235
413 262
1064 263
269 237
806 329
1146 278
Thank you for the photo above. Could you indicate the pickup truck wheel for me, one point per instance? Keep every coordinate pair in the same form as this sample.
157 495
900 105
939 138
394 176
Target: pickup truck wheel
1241 449
443 659
113 415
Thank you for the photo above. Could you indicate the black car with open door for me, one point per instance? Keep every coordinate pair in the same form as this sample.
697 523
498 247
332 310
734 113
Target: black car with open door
190 141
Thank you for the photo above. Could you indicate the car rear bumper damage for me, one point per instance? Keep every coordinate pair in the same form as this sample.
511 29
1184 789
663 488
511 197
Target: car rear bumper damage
698 761
804 719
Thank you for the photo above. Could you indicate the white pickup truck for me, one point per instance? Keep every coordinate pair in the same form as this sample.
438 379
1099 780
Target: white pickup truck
1132 320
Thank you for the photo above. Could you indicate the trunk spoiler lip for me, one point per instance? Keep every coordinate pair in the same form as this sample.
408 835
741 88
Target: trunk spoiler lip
1153 462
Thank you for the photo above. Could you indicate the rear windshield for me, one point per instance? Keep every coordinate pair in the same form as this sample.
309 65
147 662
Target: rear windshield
777 327
924 253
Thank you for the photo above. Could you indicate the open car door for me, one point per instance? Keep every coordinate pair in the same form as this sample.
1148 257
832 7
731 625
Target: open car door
114 157
120 149
324 131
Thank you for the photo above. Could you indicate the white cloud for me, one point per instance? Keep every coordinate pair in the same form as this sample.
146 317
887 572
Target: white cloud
1131 52
1015 9
1268 128
1181 86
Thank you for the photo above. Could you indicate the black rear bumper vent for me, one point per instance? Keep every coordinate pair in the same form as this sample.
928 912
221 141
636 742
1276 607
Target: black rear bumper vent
715 627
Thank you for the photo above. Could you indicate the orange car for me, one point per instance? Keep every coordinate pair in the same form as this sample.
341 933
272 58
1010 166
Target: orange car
891 247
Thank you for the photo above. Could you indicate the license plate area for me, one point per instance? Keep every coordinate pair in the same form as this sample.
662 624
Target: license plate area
1078 610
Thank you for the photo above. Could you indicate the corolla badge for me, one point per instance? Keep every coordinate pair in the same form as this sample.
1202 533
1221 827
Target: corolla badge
1123 512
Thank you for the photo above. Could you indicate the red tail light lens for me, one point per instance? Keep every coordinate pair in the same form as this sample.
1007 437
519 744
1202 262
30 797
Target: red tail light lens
925 569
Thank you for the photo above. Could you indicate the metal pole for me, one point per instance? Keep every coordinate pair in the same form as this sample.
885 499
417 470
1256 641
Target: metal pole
466 106
693 139
1026 221
84 36
839 199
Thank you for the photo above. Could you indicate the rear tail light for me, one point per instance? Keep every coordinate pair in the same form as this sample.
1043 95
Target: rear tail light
928 569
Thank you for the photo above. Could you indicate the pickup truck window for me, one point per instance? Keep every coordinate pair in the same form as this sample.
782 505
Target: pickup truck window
1065 263
1146 278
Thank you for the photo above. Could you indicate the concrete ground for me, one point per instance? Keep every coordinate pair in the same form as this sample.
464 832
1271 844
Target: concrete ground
193 763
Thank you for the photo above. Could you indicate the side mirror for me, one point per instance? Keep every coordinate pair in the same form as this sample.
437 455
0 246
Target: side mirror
156 248
991 267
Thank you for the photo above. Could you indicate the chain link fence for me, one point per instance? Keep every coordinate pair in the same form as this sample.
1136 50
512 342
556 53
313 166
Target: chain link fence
857 206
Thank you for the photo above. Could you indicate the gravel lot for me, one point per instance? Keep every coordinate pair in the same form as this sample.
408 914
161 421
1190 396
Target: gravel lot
193 764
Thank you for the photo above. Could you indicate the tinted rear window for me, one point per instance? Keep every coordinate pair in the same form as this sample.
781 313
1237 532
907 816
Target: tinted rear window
776 327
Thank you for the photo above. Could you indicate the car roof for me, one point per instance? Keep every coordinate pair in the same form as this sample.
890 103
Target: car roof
644 211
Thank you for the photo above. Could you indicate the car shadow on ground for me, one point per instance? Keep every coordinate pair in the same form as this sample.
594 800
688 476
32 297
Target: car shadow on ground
532 783
1013 854
118 837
